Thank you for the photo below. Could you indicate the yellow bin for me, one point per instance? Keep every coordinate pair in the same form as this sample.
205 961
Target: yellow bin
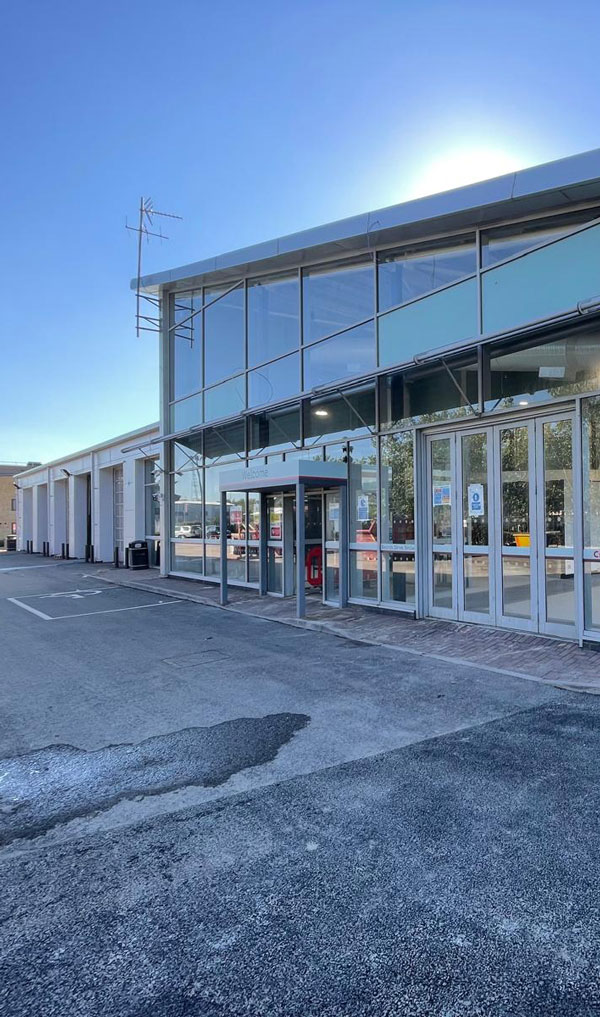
522 539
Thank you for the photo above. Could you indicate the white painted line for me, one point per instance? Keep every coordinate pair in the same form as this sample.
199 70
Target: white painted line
111 610
26 607
22 568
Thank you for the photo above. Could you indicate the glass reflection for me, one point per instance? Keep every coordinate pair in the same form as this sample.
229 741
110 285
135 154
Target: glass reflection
445 317
442 580
543 283
274 429
274 382
514 452
413 271
427 394
523 375
188 484
224 342
591 472
592 595
508 241
332 576
475 489
225 400
363 491
441 485
335 416
188 558
335 296
273 317
346 355
560 591
397 489
477 583
516 587
398 577
558 483
186 344
363 574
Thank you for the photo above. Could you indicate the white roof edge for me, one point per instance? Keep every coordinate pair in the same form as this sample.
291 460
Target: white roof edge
569 172
150 428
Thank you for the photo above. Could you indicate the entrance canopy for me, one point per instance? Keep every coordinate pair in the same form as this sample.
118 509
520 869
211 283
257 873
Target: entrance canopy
281 476
296 475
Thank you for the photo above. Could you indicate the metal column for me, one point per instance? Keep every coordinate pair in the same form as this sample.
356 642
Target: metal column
343 545
263 549
300 552
223 547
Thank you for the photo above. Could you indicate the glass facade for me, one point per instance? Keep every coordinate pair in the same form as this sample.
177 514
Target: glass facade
366 331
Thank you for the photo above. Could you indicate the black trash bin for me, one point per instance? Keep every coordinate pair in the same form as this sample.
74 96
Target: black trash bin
11 543
138 554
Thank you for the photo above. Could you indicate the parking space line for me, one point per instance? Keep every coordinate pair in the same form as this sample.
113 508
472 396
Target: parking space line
27 607
112 610
24 568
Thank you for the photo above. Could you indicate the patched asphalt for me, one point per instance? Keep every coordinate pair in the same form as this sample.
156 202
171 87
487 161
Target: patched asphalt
455 877
59 783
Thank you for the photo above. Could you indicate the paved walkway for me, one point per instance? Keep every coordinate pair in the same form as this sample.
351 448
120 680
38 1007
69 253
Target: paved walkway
536 658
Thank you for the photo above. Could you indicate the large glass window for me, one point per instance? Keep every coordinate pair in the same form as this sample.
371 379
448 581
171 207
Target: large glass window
227 441
521 374
413 271
225 400
188 485
335 296
349 354
188 558
273 317
558 483
187 413
426 394
186 344
363 491
591 476
224 341
397 489
340 416
542 283
508 241
151 498
274 382
278 429
441 319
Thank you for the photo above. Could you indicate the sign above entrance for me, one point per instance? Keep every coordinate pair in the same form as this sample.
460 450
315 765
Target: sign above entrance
278 476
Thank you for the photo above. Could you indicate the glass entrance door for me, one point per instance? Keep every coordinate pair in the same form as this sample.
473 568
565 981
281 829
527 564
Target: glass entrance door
332 500
501 527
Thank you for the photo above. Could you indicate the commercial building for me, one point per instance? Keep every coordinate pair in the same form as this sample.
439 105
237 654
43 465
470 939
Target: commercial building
93 501
8 501
401 409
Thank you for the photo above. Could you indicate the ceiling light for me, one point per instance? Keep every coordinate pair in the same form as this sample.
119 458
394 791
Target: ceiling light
321 413
523 402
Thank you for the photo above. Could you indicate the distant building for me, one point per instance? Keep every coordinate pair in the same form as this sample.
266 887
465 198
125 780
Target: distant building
8 500
99 498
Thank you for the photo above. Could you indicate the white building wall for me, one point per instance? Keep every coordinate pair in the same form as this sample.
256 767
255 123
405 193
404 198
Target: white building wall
52 499
40 516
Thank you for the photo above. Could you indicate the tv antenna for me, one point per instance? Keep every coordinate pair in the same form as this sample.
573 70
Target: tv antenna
147 322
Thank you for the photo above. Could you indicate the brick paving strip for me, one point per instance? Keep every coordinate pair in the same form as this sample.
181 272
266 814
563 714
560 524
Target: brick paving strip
536 658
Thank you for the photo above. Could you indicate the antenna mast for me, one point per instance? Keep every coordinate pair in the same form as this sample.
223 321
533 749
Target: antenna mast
147 322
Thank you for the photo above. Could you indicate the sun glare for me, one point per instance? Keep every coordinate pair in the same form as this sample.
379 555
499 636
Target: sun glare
464 166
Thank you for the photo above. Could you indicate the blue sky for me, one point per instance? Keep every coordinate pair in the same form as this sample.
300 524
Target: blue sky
250 120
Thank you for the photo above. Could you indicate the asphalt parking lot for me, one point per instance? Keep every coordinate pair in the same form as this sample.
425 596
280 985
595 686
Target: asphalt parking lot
206 813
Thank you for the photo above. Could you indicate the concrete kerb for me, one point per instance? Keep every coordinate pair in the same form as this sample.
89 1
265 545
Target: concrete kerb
335 630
